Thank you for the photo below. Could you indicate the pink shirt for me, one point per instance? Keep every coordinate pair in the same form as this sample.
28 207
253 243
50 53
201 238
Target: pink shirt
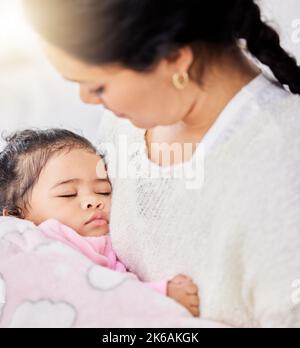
97 249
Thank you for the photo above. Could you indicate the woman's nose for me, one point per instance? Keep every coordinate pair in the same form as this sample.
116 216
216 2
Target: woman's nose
92 204
89 97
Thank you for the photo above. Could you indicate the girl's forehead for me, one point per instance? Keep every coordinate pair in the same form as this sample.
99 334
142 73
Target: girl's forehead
76 164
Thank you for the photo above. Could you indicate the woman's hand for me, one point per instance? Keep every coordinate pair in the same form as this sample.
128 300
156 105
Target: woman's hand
184 291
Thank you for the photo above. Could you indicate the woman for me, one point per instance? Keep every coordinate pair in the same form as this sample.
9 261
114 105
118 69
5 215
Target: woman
178 72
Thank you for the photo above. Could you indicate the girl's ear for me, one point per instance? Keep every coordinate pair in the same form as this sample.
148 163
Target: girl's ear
5 212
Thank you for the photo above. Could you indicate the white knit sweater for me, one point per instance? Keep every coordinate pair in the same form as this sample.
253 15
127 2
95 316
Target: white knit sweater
238 236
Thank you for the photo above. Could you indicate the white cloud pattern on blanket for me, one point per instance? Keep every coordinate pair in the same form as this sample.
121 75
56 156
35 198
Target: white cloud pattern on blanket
44 314
2 293
70 290
54 247
11 225
104 279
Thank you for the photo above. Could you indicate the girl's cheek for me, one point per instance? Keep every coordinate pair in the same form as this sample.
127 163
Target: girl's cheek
108 204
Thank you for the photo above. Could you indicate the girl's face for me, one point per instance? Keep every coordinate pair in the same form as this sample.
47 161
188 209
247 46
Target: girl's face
146 99
74 189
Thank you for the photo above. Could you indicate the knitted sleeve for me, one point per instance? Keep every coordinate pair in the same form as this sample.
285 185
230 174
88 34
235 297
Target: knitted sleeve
271 286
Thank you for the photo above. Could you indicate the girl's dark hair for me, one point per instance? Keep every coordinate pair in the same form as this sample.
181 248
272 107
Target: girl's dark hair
139 33
24 157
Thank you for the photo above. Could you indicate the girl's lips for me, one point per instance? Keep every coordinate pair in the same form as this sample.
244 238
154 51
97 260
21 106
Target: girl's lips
98 222
98 219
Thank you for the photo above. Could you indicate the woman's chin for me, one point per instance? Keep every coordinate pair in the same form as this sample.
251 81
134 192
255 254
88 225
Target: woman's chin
142 125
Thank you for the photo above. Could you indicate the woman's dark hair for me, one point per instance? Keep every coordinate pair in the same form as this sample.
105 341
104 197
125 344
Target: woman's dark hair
139 33
24 157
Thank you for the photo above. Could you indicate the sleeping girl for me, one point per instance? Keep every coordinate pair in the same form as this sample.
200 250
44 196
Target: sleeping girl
49 178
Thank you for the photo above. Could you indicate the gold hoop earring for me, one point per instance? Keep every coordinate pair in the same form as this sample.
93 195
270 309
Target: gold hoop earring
180 80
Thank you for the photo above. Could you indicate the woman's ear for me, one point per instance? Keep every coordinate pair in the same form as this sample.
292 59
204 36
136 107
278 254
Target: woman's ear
181 60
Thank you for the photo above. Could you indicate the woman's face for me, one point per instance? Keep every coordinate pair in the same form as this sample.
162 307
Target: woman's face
146 99
73 188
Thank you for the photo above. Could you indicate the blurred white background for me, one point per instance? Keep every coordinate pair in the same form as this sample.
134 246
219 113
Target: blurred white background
32 94
285 17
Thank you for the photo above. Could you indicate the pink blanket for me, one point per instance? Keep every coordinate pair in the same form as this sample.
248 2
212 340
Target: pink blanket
46 283
98 249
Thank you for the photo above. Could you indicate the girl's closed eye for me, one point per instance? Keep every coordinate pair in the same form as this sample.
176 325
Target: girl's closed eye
68 196
75 195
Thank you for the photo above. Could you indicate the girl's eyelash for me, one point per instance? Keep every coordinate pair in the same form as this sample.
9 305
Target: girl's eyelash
99 193
67 196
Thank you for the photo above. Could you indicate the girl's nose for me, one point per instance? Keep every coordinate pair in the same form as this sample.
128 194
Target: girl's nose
92 204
